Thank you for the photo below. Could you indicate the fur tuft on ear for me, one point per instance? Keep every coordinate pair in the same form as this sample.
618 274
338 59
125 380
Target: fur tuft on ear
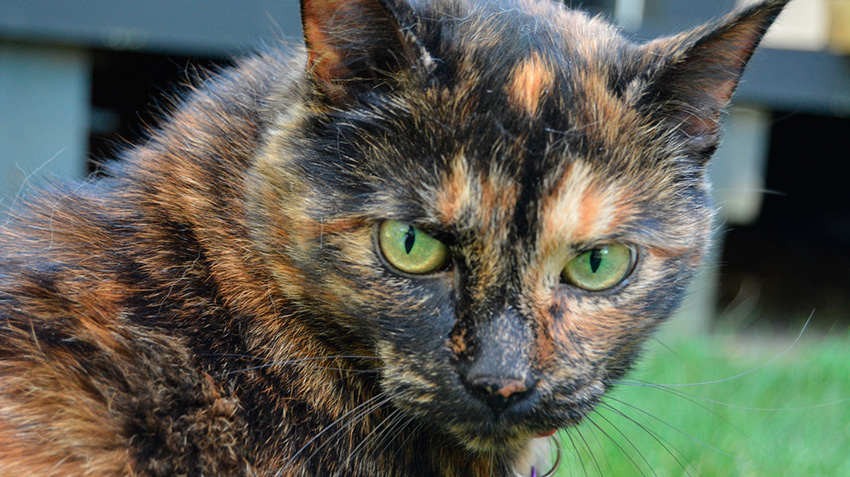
353 45
701 70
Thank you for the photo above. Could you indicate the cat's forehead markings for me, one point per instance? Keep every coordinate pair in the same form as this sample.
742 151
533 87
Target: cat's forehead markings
529 81
484 199
580 208
456 190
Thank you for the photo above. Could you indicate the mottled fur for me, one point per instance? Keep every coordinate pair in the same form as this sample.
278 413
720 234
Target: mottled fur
216 305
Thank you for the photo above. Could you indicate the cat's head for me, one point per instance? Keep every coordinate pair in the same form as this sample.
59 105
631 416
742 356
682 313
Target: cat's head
499 199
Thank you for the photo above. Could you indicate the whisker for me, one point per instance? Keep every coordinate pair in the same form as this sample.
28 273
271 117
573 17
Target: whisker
655 435
590 451
629 441
414 431
356 417
286 363
393 417
357 412
658 341
689 436
617 444
577 451
735 458
759 190
677 392
365 439
599 446
262 358
301 361
732 378
692 398
395 429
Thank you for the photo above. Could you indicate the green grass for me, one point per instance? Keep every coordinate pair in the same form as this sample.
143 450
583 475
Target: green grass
788 417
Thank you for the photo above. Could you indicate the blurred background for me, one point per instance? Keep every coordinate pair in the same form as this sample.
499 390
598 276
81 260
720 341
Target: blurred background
81 80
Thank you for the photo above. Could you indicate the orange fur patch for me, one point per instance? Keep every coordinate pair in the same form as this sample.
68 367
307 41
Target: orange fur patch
545 342
578 210
529 82
456 191
459 345
590 206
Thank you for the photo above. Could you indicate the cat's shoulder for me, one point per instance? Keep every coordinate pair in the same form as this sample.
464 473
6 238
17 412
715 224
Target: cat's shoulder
82 385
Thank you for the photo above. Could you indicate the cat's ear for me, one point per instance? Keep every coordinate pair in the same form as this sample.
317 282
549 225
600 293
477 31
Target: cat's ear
354 45
701 70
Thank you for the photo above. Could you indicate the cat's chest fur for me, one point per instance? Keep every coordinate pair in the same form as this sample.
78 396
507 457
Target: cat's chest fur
417 247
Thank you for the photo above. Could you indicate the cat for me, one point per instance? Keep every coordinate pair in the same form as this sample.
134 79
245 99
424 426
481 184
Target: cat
417 246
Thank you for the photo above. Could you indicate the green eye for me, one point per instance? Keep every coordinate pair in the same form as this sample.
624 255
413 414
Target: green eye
411 250
601 268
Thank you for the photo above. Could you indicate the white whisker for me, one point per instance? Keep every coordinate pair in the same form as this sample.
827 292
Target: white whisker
655 435
741 375
355 414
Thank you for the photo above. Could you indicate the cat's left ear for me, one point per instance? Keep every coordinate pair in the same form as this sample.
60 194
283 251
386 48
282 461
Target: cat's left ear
356 45
701 70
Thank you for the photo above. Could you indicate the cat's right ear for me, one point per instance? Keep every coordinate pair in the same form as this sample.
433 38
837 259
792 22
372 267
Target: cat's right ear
356 45
700 71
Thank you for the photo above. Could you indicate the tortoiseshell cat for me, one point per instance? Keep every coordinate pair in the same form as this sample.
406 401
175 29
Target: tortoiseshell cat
416 248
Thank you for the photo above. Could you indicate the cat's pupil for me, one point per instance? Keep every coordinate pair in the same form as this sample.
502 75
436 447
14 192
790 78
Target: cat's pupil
409 239
596 259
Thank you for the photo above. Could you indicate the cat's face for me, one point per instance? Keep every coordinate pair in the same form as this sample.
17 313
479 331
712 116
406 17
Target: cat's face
496 210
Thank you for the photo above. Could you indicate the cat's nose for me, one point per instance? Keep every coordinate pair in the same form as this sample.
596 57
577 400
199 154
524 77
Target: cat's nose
500 392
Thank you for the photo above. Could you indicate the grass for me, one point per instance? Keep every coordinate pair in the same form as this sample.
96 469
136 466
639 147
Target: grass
790 416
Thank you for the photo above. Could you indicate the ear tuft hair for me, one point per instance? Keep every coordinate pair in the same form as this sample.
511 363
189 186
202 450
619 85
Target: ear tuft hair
353 45
702 69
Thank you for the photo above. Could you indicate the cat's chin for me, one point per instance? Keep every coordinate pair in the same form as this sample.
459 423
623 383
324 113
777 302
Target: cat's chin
488 444
512 441
531 454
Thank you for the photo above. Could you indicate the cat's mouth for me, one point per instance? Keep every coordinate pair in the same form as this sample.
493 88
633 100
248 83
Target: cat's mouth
490 438
481 422
541 417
